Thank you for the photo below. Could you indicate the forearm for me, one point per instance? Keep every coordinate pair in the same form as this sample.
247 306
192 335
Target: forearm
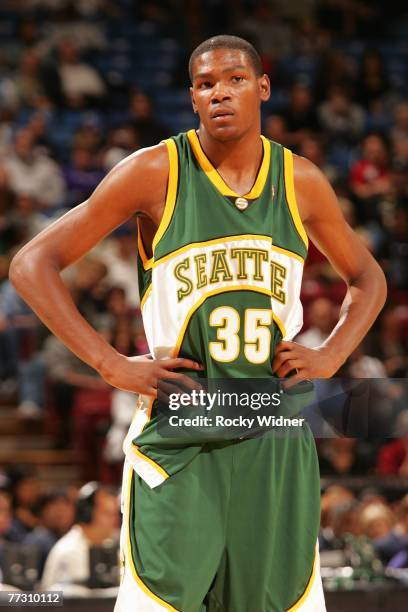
37 279
364 300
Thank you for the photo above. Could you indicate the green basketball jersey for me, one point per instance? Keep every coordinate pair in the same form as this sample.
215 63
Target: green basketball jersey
223 284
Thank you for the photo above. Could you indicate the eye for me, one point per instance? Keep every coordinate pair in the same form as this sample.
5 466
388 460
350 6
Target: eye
237 79
204 85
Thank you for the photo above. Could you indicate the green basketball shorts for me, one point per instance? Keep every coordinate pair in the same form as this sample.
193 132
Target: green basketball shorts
235 530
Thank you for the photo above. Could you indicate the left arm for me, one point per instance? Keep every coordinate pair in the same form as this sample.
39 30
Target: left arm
366 286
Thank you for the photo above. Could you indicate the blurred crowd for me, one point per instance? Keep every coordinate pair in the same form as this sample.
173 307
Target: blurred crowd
82 85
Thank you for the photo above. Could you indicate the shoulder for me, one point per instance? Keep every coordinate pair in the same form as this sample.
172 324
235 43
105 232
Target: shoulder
138 182
151 160
312 188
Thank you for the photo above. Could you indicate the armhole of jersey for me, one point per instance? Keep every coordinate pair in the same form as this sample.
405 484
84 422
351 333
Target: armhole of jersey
290 194
171 196
147 263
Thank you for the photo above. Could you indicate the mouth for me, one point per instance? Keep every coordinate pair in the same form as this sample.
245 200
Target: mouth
221 114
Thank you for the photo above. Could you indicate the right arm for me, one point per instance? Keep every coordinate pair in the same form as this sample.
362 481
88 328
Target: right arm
138 184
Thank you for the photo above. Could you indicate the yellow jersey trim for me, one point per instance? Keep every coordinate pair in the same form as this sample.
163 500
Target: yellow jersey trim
171 195
291 196
212 241
146 261
306 592
136 576
214 176
203 298
145 296
288 253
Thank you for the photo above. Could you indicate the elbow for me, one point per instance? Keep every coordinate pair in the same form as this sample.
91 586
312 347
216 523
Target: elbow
22 269
18 270
379 286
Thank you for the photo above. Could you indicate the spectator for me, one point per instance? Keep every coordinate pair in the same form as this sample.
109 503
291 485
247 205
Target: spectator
276 129
300 115
122 142
25 492
81 84
321 319
67 374
28 83
33 172
370 175
377 521
393 456
341 456
118 254
96 522
311 147
341 120
81 176
148 130
372 81
55 514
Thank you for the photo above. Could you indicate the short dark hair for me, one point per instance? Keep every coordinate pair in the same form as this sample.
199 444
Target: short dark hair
225 41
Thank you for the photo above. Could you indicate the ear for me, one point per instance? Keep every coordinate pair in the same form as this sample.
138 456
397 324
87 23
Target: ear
264 87
192 100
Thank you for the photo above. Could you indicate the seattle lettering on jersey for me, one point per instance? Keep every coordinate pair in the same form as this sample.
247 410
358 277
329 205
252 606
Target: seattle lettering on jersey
229 265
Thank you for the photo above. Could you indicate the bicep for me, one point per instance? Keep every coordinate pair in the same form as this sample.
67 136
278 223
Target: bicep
325 224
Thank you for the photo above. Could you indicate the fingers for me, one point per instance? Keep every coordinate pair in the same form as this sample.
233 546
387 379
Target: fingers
182 379
293 380
180 362
288 366
285 345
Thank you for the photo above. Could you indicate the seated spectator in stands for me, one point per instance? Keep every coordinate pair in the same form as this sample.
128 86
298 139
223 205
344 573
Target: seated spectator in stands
393 456
82 175
55 514
33 172
97 522
28 82
300 114
312 148
149 131
389 546
376 521
26 217
121 143
6 518
370 175
362 365
67 374
335 69
332 496
343 521
341 120
391 341
372 83
118 255
81 84
399 131
25 492
19 347
321 317
276 130
89 135
342 456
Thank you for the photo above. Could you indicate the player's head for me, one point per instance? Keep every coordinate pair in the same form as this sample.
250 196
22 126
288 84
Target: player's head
228 86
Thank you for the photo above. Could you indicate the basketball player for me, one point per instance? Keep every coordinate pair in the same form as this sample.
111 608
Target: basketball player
224 219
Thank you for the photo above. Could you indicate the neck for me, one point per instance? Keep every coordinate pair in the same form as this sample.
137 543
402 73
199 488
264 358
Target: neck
237 161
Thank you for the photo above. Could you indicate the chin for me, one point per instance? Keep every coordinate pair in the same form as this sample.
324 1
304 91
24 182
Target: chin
226 133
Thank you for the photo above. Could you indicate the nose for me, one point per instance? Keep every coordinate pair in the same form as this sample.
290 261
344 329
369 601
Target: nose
220 93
